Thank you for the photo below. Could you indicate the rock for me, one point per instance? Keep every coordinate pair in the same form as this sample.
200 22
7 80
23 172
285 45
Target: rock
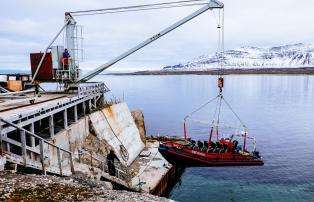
108 185
79 187
138 117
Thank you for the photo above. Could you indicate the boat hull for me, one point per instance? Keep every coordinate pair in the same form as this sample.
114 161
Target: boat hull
192 158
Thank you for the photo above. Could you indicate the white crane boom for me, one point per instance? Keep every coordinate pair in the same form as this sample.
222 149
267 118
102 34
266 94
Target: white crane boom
213 4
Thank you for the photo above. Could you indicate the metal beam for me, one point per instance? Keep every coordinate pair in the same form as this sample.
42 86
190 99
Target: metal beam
75 113
45 114
65 118
25 147
3 89
23 143
18 92
51 126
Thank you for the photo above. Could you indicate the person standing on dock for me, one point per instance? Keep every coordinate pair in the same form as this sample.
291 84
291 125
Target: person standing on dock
65 59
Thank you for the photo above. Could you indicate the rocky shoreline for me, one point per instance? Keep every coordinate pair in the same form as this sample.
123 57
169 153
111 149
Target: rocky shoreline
37 188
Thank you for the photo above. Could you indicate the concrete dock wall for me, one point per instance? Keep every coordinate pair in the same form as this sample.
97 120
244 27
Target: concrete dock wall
116 126
113 125
91 137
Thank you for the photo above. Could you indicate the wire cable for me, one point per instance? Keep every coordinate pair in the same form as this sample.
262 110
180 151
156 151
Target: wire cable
219 109
233 111
140 9
202 106
132 7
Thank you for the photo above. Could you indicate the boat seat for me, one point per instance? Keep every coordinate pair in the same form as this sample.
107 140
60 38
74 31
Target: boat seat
239 147
225 146
235 143
205 144
212 144
200 144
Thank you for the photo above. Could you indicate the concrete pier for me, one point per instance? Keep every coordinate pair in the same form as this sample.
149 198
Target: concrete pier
83 132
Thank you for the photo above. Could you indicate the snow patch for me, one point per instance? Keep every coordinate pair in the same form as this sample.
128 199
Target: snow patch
288 56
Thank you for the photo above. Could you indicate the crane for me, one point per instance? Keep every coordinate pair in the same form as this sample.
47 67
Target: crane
70 24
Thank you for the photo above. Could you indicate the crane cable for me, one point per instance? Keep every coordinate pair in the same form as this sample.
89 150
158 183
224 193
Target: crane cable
221 42
231 109
139 7
142 9
201 107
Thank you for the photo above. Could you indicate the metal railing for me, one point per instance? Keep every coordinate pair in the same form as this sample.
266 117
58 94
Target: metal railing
92 88
95 161
35 150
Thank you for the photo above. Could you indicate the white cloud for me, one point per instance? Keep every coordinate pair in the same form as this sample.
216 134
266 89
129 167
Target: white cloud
27 26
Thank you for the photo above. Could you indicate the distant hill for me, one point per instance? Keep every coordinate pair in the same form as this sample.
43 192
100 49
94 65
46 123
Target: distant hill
288 56
14 71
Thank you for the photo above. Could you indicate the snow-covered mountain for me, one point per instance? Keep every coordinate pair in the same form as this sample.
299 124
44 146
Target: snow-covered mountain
288 56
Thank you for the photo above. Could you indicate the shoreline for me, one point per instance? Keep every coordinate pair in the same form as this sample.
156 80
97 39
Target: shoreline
287 71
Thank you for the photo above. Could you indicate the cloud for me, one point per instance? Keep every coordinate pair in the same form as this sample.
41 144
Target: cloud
28 26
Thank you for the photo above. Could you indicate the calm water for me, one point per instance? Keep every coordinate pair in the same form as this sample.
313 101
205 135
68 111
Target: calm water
278 110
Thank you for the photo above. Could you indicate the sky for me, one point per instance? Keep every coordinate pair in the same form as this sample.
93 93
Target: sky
28 26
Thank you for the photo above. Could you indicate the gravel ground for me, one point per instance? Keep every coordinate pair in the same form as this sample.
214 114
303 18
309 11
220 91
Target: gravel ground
30 187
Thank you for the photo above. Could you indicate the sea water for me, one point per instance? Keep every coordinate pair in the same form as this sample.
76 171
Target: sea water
278 111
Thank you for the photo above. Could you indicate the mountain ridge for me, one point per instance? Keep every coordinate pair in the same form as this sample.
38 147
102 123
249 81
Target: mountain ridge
286 56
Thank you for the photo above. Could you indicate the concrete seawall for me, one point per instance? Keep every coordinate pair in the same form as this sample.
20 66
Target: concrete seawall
112 130
65 134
